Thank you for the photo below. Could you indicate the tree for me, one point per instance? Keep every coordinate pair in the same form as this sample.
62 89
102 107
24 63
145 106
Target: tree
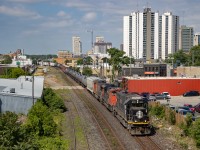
13 72
40 121
117 60
87 71
80 61
194 56
16 72
12 135
180 57
7 59
88 60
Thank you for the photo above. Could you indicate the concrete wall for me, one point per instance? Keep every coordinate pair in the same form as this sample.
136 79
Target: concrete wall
15 103
188 72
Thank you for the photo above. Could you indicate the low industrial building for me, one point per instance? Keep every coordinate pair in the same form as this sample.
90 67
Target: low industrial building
19 95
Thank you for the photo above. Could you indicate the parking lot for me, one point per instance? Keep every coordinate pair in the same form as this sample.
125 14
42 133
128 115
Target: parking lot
180 101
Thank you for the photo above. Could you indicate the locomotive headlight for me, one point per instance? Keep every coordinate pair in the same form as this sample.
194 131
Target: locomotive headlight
139 114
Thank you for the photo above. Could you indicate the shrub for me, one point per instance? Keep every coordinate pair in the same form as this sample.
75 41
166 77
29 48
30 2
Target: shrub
53 101
40 120
195 130
158 110
172 117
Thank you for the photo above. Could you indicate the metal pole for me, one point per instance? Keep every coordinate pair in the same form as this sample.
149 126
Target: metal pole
193 58
33 89
130 66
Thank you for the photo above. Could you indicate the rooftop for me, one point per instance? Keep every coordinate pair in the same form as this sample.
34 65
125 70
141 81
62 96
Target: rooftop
22 86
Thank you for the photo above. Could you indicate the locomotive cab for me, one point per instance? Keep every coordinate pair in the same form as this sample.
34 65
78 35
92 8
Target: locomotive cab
132 111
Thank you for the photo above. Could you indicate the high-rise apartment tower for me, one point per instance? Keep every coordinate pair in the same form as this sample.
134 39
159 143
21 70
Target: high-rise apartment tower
76 46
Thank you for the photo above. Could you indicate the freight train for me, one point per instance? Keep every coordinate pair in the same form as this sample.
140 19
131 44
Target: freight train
130 109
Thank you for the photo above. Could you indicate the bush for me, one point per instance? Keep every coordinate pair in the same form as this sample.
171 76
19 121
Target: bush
158 111
195 130
40 121
53 101
13 135
50 143
172 117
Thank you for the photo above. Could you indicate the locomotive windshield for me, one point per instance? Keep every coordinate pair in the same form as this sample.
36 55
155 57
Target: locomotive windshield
143 105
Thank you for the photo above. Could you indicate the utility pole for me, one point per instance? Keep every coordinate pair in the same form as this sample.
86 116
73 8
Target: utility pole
91 31
33 89
130 65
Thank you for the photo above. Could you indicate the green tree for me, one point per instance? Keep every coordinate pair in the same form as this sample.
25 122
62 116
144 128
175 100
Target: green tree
180 57
16 72
7 59
12 135
40 121
117 60
87 71
88 60
80 61
194 56
52 100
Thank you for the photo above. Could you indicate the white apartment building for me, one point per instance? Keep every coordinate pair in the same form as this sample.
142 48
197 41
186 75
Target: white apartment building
146 35
168 34
76 46
140 34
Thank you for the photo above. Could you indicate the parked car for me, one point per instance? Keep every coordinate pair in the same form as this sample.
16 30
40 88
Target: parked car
151 97
185 112
167 95
145 94
190 107
148 96
197 108
160 96
191 93
185 108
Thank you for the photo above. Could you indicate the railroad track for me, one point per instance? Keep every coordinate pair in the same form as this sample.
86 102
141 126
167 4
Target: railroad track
146 143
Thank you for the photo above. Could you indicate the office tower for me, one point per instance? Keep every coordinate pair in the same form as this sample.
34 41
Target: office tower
140 34
168 34
99 39
185 38
64 54
196 39
100 46
76 46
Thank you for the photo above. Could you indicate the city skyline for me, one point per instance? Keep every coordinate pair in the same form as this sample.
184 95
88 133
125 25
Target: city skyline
45 26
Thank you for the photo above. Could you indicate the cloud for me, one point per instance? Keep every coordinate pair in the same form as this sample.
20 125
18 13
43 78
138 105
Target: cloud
27 1
30 32
63 14
57 24
88 17
18 12
79 5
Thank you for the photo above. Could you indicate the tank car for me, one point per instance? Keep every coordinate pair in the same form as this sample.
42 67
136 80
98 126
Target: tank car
132 111
90 83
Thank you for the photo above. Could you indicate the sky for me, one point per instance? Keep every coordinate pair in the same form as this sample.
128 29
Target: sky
46 26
